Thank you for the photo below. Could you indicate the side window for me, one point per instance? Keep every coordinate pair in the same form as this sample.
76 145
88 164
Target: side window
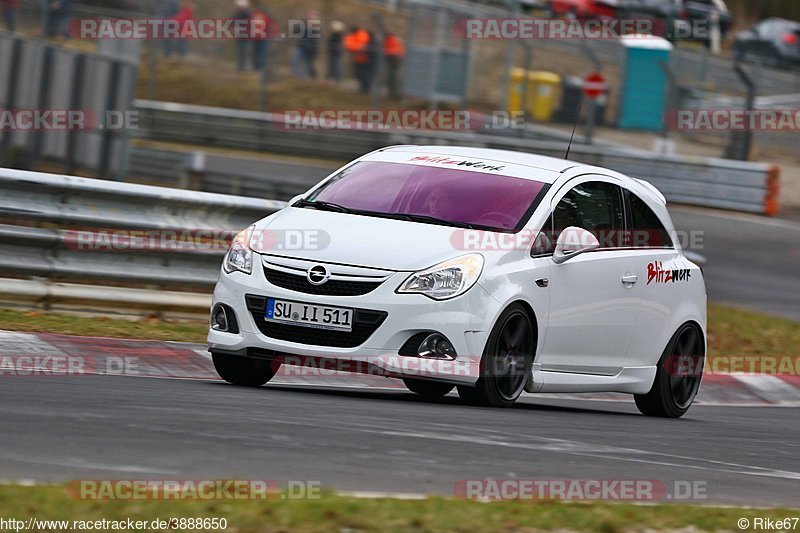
648 231
595 206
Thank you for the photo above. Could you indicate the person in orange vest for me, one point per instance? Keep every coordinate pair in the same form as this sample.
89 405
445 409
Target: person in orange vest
393 53
359 43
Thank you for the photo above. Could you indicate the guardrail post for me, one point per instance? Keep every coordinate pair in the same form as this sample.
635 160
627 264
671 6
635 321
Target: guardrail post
741 141
106 147
75 103
42 102
194 177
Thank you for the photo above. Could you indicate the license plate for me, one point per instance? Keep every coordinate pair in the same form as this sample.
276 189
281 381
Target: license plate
309 315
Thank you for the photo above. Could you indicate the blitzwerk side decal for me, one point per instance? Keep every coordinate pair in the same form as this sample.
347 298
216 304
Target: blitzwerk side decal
656 272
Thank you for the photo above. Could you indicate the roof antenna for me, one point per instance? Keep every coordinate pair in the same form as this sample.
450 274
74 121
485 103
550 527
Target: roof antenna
574 125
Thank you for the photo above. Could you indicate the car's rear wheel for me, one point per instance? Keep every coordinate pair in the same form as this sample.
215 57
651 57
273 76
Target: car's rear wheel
244 371
678 377
506 361
428 389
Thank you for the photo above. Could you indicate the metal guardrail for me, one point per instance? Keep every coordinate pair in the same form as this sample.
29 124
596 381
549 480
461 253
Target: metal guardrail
248 130
220 173
72 241
710 182
69 230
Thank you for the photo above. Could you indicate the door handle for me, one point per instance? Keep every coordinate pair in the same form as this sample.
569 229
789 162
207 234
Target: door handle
630 280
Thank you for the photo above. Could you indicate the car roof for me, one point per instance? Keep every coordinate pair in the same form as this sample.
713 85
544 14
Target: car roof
549 169
779 22
508 157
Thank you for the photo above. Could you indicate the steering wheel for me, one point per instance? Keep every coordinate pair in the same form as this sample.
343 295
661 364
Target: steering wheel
504 219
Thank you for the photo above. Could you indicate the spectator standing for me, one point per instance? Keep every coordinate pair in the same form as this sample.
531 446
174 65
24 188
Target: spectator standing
185 14
371 52
240 16
393 53
169 10
9 8
263 27
335 49
358 43
57 16
305 52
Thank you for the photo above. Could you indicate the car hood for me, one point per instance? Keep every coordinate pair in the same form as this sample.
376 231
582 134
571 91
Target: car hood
357 240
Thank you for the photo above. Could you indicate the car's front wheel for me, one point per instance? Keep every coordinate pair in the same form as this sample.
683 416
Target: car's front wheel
428 389
506 362
243 371
678 377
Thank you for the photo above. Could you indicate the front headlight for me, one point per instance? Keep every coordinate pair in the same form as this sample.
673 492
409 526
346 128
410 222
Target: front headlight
445 280
240 255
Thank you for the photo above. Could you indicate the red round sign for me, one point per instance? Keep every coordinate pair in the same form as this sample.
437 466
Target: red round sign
594 86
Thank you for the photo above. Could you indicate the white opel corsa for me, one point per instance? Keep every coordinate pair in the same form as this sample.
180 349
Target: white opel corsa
486 270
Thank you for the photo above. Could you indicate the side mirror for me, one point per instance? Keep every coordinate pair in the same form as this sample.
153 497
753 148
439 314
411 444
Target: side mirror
573 242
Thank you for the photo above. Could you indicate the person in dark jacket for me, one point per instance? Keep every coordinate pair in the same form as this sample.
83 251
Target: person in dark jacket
370 63
304 61
57 17
335 50
9 8
242 14
264 26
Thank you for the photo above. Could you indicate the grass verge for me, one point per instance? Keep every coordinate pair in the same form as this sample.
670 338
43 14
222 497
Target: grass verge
332 512
88 326
732 331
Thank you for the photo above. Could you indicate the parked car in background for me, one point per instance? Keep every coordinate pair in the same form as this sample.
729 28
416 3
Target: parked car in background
669 16
674 19
701 14
583 9
773 41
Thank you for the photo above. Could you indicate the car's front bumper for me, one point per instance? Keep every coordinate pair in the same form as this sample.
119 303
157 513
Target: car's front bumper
465 321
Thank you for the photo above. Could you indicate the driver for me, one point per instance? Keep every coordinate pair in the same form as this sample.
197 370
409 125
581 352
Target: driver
440 203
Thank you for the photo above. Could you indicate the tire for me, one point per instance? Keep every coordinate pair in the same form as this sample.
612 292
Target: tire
427 389
506 362
243 371
674 389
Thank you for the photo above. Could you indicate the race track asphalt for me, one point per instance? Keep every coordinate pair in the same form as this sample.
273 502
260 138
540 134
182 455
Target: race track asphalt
93 427
111 427
752 261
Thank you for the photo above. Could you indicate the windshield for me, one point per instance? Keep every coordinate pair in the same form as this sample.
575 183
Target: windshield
481 200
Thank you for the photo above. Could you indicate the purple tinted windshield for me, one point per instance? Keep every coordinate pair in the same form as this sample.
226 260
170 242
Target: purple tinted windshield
488 201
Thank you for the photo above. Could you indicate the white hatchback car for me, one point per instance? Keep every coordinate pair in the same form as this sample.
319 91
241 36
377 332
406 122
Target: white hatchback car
486 270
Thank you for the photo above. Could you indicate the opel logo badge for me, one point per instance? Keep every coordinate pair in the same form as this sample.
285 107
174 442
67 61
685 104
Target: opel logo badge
318 274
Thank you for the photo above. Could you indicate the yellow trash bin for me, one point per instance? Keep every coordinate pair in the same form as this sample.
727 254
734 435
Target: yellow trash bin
543 90
515 90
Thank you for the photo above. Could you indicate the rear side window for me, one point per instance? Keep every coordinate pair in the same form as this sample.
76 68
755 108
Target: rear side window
648 231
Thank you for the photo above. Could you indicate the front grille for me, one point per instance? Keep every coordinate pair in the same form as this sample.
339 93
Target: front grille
334 287
365 322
